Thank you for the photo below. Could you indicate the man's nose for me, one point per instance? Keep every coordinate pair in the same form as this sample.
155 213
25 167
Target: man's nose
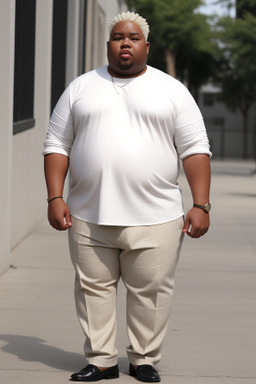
126 43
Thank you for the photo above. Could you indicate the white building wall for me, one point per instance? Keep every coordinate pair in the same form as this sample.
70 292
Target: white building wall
109 10
99 15
7 20
23 192
28 194
72 56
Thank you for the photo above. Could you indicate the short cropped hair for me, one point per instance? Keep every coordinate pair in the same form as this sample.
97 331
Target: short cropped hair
131 16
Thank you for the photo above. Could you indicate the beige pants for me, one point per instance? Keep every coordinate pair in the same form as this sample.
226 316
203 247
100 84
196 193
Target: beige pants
145 257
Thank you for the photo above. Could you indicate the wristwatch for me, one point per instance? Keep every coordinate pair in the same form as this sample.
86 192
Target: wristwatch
206 207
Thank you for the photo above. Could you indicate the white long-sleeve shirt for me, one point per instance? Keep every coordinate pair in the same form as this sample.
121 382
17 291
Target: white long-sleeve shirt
124 138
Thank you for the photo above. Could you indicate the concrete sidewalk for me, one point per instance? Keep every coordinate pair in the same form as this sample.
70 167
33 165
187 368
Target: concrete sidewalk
212 333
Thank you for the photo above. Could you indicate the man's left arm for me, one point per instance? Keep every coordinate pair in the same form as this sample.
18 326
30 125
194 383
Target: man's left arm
198 173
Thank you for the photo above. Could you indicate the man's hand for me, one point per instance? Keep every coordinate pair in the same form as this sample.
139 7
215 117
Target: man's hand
56 168
59 215
198 172
196 223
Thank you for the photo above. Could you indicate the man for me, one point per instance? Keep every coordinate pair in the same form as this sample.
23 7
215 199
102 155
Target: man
121 130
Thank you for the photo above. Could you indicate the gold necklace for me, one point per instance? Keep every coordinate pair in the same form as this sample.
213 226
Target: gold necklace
120 85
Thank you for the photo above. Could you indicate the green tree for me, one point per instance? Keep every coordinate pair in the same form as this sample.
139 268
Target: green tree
237 76
181 39
244 6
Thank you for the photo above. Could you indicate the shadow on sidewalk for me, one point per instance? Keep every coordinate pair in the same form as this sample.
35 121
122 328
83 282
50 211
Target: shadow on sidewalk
33 349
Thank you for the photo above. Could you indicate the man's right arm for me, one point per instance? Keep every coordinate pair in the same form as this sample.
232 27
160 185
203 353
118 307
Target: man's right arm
55 168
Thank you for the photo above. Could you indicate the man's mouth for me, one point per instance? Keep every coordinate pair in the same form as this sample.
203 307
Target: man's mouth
125 54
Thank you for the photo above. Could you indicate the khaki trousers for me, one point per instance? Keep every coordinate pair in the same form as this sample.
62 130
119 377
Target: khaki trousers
145 257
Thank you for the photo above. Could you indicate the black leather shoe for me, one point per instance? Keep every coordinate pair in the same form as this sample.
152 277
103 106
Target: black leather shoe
93 373
145 373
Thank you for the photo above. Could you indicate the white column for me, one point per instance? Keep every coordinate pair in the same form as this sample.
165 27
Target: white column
7 37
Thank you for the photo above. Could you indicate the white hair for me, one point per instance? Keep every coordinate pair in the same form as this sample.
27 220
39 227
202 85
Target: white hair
131 16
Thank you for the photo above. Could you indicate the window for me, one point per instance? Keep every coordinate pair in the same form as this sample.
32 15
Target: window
24 66
59 48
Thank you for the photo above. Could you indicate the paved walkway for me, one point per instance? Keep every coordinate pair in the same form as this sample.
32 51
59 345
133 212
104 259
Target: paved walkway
212 334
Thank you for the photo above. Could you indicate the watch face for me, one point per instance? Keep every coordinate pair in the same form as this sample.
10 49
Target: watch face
208 207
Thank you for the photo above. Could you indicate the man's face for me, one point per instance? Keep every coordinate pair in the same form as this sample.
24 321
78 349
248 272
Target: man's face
127 50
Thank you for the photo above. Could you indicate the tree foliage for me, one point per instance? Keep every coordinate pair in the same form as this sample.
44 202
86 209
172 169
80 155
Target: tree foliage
244 6
181 39
237 76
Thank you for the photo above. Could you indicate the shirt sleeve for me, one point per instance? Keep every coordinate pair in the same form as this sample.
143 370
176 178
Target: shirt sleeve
190 132
60 134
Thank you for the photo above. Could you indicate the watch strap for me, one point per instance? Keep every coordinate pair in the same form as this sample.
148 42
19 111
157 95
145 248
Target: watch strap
205 207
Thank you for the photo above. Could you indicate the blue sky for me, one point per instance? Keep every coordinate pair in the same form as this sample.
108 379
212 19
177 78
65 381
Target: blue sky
211 7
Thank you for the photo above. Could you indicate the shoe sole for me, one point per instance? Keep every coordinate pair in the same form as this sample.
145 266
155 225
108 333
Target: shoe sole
108 377
133 373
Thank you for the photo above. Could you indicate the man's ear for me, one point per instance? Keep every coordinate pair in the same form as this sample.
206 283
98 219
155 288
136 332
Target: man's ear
148 46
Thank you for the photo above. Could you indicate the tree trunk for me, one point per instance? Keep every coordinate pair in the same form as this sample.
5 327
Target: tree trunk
170 59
